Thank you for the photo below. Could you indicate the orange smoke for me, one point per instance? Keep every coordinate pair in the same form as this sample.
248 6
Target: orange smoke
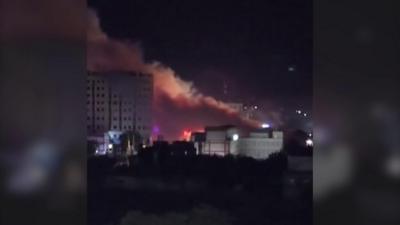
106 54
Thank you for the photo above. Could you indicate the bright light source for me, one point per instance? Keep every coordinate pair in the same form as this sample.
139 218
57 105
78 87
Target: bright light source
309 142
235 137
255 107
310 134
298 111
143 146
305 114
265 125
110 146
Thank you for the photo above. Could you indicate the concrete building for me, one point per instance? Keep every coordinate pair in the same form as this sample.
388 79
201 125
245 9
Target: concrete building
120 101
224 140
260 144
220 140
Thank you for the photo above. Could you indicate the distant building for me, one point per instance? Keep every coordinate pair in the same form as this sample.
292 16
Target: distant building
119 101
260 143
224 140
220 140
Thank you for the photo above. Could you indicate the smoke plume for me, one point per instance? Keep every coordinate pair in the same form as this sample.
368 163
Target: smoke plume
178 105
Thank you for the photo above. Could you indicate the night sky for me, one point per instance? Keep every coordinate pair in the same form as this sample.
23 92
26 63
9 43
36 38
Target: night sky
261 49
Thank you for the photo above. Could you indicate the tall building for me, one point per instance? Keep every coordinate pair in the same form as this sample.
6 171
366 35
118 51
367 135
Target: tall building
120 101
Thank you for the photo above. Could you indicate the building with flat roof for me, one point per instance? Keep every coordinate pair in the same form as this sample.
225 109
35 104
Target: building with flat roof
229 140
219 140
119 101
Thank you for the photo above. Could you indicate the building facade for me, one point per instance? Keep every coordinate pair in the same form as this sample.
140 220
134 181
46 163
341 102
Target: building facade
260 144
229 140
220 140
120 101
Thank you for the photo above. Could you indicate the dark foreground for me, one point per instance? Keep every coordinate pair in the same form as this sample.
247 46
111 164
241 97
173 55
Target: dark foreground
197 190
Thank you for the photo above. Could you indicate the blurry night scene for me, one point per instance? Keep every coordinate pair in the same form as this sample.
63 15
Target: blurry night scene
199 112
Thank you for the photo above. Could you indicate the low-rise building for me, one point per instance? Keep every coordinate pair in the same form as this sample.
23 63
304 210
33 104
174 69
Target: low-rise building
229 140
260 144
220 140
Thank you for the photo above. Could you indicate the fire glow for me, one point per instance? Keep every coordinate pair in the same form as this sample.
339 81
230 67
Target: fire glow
177 103
186 135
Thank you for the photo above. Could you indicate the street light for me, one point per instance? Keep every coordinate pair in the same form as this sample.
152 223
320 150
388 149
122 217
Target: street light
309 142
235 137
265 125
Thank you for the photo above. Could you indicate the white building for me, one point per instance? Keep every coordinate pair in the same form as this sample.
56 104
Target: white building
260 144
226 140
220 140
119 101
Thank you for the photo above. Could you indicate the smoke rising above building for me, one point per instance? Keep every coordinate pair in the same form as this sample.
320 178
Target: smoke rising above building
178 104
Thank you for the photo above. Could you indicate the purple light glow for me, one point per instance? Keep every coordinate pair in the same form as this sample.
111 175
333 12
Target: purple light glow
156 130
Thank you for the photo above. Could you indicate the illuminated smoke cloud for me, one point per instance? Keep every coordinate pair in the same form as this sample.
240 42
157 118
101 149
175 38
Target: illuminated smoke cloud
178 105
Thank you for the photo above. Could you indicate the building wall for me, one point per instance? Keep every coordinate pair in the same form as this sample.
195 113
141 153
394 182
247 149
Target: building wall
97 104
259 148
260 145
119 101
220 148
219 142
